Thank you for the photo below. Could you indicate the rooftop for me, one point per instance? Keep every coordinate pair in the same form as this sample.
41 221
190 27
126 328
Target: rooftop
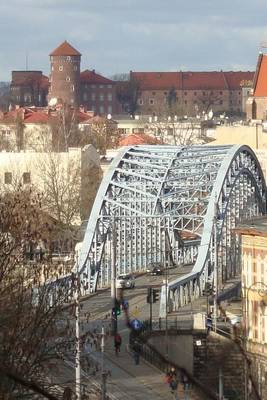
65 49
256 226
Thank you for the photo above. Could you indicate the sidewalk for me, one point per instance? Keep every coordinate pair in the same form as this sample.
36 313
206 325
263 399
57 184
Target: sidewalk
143 381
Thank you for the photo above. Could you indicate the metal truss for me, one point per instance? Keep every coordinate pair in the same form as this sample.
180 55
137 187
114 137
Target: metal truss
162 204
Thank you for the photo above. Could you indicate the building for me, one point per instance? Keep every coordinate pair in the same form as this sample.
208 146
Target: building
39 129
98 93
192 93
254 289
74 176
67 84
64 87
257 102
29 88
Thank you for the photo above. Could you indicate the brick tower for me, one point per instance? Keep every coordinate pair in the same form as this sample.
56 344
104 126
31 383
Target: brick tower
65 75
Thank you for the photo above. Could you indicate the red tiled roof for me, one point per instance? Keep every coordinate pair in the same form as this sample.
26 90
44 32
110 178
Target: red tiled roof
192 80
260 81
65 49
36 118
92 77
157 80
138 138
238 79
203 80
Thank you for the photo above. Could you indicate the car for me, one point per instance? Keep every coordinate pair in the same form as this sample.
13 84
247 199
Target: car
157 270
125 282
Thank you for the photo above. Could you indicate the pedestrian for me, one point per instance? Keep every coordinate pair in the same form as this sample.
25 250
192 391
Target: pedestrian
136 352
174 387
186 385
117 343
209 322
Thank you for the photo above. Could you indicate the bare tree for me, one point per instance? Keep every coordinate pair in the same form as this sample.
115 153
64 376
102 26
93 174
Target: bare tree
29 319
128 93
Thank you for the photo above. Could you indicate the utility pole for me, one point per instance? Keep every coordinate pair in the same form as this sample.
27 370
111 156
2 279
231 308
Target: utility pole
77 339
103 372
215 266
113 277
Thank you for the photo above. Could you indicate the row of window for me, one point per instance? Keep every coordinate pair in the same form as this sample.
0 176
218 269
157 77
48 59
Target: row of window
93 86
101 109
94 97
26 178
204 93
152 102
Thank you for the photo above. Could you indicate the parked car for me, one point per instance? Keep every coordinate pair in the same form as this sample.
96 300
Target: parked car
125 282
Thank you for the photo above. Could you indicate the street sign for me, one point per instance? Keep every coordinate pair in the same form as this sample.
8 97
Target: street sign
136 324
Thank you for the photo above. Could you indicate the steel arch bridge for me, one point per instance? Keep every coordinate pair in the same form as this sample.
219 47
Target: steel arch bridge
164 204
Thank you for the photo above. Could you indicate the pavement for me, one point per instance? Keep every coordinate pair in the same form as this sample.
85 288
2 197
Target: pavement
140 382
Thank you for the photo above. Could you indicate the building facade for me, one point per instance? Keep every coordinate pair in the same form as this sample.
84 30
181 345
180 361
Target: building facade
98 93
254 290
257 102
192 93
75 176
29 88
65 75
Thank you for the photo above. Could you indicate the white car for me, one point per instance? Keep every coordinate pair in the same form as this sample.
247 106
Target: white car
125 282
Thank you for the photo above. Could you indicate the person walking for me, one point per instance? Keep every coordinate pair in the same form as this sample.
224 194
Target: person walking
186 385
136 352
117 343
174 387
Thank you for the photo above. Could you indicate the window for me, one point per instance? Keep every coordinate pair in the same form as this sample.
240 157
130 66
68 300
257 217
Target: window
93 86
153 93
101 86
185 93
85 97
101 97
204 93
67 78
185 102
221 92
140 102
26 177
109 96
93 96
195 93
151 102
109 109
109 86
75 68
68 58
8 178
221 102
72 88
60 68
101 109
165 93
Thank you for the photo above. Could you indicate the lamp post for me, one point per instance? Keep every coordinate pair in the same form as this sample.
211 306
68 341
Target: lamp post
77 338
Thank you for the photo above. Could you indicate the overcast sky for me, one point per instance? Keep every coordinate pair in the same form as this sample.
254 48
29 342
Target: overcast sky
117 36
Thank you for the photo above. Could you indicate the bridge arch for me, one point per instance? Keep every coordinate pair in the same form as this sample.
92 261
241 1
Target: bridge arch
161 204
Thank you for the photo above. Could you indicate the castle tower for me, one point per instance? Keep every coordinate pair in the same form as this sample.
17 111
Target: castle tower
65 75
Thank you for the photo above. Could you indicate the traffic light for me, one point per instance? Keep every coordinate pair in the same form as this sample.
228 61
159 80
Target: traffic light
117 309
149 295
155 295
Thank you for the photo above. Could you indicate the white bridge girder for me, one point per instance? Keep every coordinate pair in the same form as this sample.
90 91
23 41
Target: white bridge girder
159 204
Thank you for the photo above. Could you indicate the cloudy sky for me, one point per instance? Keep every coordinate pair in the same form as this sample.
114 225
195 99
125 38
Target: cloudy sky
116 36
